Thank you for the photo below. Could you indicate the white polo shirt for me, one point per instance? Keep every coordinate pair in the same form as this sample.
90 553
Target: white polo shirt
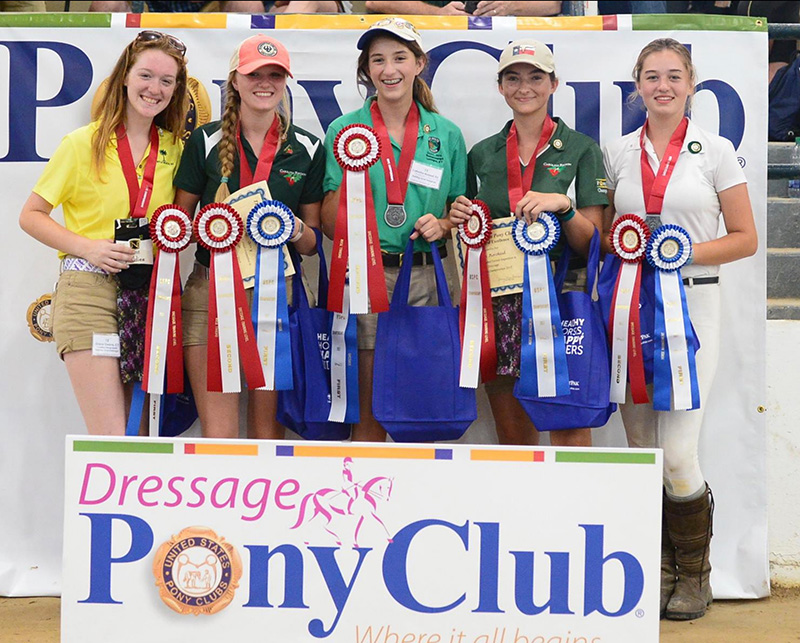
691 199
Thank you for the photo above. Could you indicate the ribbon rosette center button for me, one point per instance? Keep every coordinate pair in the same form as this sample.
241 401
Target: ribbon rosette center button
220 228
474 224
172 229
537 231
270 226
357 147
670 249
630 240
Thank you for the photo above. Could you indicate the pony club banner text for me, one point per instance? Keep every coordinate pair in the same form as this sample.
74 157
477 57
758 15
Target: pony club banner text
196 540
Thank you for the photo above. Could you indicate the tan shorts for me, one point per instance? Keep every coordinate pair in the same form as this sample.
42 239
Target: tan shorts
194 306
84 303
421 292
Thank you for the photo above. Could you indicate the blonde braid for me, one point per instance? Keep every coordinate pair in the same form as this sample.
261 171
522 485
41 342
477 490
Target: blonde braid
227 145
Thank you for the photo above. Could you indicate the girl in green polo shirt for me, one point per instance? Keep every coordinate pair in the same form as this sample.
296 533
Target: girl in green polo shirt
410 201
256 125
551 160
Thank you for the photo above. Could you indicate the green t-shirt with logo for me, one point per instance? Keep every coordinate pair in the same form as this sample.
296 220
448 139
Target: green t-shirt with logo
440 145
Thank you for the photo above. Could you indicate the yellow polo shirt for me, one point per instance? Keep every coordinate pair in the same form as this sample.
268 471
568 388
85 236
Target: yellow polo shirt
91 204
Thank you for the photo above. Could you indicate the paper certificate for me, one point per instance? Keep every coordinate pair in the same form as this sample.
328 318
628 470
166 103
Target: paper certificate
504 260
246 250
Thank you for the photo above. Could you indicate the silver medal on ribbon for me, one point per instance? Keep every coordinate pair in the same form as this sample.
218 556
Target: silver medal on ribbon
395 215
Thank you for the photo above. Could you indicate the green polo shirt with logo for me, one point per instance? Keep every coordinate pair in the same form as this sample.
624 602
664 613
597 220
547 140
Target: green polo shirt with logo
295 178
570 157
440 144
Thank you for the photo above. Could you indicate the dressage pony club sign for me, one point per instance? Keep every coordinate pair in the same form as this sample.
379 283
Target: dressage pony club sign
181 540
50 68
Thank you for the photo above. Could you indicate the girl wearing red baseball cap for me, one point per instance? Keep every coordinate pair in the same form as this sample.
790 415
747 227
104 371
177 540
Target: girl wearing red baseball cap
256 126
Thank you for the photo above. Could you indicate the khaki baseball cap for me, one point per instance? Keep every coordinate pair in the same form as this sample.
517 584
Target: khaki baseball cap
530 52
258 51
393 25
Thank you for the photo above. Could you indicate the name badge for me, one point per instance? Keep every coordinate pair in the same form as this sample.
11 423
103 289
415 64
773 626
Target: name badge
425 175
105 345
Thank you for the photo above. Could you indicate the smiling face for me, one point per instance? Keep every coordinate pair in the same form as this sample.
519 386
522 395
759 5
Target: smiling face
393 68
150 84
261 90
526 89
665 84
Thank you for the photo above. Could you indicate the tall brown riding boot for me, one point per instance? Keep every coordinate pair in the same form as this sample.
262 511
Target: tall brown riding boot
690 528
668 572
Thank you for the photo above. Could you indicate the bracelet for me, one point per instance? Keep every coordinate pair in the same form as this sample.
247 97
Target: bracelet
568 209
563 217
301 228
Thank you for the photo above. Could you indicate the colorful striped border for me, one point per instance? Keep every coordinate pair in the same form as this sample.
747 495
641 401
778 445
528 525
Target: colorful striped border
369 452
101 20
605 457
219 448
101 446
501 455
637 22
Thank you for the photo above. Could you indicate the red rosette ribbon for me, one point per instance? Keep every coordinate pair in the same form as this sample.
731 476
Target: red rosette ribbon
219 228
356 245
171 232
478 349
629 236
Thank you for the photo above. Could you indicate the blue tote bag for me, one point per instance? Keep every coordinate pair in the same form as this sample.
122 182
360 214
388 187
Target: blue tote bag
416 396
587 404
305 408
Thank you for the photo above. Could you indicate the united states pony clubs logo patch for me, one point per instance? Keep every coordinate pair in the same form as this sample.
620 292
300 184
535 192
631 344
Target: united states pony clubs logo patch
197 572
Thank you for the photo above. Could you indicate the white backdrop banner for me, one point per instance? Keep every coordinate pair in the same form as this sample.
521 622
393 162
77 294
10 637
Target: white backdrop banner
197 541
51 66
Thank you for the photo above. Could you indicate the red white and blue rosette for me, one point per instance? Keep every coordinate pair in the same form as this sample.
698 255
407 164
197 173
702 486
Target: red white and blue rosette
171 232
356 246
543 358
270 225
629 236
219 228
478 349
675 382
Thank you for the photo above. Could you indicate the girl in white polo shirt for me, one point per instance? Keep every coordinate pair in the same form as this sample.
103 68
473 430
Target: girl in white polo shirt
706 183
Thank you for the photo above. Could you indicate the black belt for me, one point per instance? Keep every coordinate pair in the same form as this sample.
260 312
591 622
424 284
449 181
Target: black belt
394 259
700 281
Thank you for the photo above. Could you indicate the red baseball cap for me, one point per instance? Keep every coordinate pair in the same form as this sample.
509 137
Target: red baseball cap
258 51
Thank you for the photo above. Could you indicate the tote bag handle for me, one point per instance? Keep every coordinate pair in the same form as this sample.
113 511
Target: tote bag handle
400 295
592 265
299 296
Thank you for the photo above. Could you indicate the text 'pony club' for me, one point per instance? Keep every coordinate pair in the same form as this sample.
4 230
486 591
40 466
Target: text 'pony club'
490 591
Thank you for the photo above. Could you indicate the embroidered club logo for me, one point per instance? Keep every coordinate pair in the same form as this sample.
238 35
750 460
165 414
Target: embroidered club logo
288 150
267 49
523 50
291 176
197 572
434 144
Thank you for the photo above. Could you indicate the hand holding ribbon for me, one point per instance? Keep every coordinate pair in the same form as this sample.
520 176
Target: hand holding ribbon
356 246
270 225
171 231
543 358
674 367
478 349
218 228
629 236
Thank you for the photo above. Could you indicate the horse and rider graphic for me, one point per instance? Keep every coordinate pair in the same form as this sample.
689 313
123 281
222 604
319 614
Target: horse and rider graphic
337 509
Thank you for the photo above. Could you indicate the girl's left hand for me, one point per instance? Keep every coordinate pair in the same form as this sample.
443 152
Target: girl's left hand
533 203
429 227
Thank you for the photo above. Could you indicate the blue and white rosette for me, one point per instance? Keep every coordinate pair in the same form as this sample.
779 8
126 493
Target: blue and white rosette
674 365
270 225
543 358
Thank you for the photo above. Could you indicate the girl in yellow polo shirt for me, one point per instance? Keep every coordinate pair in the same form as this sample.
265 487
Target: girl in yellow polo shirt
133 147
